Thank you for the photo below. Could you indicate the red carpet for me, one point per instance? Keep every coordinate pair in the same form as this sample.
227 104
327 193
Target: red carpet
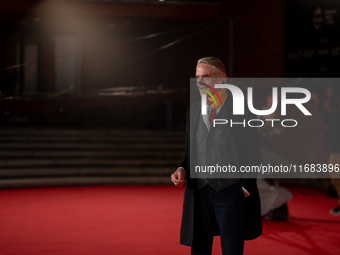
144 220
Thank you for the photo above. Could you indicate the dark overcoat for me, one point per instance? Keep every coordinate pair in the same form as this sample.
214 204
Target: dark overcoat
245 148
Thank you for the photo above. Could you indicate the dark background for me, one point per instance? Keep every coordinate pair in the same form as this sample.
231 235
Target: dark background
126 65
83 47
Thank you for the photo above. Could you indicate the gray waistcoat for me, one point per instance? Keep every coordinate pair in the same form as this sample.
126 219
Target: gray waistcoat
211 148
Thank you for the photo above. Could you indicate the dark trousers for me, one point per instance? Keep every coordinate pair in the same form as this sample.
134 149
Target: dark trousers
223 210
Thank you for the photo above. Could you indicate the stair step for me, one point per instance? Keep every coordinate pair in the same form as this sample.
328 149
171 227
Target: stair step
86 162
88 139
107 171
75 132
107 146
94 153
33 157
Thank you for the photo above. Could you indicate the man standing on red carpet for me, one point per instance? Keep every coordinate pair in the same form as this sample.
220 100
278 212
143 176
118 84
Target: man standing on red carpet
229 207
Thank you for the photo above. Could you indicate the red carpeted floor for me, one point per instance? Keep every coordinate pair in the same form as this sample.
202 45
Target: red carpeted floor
145 220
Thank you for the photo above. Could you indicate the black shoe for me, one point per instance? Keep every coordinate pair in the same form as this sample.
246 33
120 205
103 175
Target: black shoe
335 211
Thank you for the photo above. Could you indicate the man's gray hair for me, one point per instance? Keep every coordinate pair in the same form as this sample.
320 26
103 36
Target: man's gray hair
215 62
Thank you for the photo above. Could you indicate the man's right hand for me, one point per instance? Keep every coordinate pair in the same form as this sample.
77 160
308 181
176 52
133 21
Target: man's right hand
178 177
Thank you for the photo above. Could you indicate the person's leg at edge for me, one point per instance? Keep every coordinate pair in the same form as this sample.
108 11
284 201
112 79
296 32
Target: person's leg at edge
335 159
204 217
229 207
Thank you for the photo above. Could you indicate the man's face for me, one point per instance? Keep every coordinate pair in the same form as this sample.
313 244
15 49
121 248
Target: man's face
204 74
